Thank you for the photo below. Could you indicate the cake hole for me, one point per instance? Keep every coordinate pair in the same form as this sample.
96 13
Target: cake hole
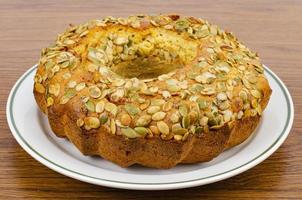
142 54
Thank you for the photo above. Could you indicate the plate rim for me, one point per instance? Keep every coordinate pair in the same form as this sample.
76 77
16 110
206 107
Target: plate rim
150 186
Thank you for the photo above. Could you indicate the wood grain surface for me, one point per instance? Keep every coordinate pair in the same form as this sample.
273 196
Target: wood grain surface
272 28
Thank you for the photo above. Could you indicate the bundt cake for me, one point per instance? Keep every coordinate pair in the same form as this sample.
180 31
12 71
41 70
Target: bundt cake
152 90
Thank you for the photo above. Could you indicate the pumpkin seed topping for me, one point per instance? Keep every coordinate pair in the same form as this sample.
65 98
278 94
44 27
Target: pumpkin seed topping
80 86
144 105
189 101
121 41
178 130
167 106
158 116
141 131
80 122
125 119
144 120
112 126
103 119
183 110
166 94
153 109
256 94
240 114
90 106
154 130
222 96
131 109
94 91
163 127
100 106
157 102
39 88
112 108
92 122
54 89
130 133
49 101
174 117
177 137
185 122
67 96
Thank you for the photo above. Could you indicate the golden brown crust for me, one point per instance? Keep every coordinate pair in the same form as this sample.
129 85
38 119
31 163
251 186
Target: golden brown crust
206 113
150 152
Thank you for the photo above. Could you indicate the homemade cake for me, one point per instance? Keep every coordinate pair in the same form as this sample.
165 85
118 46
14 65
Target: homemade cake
153 90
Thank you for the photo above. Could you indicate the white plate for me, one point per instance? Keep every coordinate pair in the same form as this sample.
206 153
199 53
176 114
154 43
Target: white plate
30 128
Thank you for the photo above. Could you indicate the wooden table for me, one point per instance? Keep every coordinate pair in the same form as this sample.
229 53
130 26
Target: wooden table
272 28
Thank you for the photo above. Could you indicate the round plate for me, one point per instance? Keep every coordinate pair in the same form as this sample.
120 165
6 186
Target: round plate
30 128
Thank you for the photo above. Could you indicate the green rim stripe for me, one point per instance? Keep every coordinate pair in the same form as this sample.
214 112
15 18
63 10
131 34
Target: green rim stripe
131 183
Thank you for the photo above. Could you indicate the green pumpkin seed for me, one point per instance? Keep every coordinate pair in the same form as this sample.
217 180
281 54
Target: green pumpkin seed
181 24
173 88
49 64
141 130
80 86
224 105
131 109
90 106
198 130
183 110
130 133
103 119
70 93
163 127
158 116
256 94
112 108
64 100
92 122
157 102
175 126
143 120
185 121
214 121
100 106
153 109
179 130
202 103
174 117
94 91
